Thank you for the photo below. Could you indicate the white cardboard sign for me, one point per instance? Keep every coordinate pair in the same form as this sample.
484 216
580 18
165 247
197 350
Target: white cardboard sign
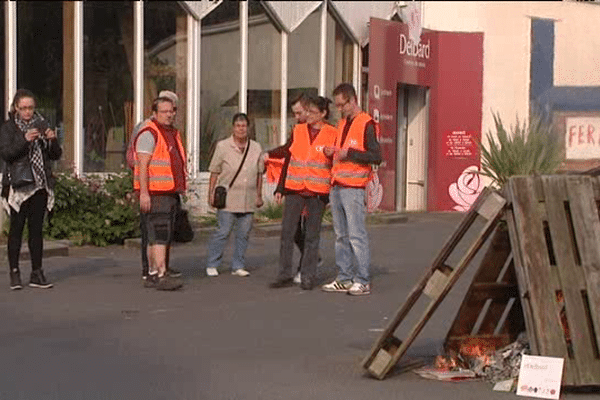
582 138
540 377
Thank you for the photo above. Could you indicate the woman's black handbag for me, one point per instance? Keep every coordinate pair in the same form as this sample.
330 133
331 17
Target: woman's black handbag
183 231
20 173
220 197
221 191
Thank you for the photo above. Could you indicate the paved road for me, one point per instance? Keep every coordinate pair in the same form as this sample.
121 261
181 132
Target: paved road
100 335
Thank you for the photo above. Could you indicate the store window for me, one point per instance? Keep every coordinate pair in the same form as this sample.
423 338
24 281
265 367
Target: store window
220 76
107 83
166 56
303 61
40 55
340 59
264 77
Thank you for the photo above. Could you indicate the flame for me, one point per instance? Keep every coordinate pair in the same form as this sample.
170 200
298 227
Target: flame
445 363
477 350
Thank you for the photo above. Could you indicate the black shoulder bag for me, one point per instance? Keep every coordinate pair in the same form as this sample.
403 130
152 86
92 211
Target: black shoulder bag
221 191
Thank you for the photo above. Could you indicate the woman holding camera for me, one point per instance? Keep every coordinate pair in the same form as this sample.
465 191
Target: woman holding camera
27 145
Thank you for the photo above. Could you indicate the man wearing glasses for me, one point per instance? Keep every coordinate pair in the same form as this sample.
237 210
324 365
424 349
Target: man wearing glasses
355 150
159 178
131 161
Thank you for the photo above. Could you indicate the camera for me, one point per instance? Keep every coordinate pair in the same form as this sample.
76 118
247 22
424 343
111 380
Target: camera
41 126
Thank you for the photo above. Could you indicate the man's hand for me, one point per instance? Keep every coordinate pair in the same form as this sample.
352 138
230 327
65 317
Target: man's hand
278 198
259 201
340 154
145 202
329 151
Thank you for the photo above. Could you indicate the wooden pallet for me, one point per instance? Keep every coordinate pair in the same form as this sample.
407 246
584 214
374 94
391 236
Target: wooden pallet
490 315
554 230
435 284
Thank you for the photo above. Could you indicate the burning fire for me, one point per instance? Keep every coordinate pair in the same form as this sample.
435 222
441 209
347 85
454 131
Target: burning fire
445 363
469 352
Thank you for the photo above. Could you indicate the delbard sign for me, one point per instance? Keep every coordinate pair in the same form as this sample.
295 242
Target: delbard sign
582 138
411 48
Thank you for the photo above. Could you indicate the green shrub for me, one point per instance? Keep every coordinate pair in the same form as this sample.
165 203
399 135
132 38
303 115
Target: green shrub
88 210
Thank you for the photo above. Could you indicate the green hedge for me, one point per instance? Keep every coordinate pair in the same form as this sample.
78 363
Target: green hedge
92 210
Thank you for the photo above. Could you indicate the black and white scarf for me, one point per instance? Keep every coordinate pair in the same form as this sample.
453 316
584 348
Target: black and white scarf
35 149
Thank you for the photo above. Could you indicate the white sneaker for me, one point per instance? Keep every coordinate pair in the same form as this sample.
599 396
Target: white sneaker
298 278
240 272
358 289
336 286
212 272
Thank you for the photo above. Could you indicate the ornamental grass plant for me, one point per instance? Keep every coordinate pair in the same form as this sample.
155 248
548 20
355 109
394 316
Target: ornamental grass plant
530 148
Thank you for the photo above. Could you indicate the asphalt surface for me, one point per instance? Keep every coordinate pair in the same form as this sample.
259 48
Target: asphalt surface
98 334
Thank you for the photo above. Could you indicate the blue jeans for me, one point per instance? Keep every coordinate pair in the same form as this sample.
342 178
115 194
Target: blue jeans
226 221
348 211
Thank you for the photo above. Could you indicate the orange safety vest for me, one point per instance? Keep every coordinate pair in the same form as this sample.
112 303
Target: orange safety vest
273 167
348 173
309 168
160 172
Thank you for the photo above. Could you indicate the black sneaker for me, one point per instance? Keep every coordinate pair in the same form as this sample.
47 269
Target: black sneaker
173 273
150 281
38 280
15 280
168 283
282 283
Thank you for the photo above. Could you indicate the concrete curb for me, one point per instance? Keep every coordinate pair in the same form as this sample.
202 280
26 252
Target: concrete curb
52 248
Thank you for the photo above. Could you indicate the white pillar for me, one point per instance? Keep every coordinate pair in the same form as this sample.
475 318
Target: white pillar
243 56
193 109
284 87
357 71
323 50
78 130
10 65
138 62
10 52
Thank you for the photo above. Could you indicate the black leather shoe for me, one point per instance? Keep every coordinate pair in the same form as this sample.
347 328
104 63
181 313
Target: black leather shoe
307 286
282 283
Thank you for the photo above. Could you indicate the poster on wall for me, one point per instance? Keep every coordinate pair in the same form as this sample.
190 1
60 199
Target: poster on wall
582 138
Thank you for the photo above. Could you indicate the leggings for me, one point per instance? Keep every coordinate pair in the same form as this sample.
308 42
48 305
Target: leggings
32 210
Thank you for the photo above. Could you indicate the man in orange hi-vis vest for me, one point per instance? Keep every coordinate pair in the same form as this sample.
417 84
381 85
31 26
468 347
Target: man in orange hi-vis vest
355 150
275 168
159 178
130 157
